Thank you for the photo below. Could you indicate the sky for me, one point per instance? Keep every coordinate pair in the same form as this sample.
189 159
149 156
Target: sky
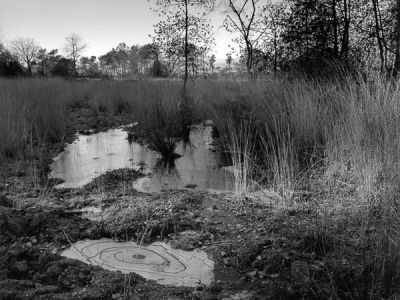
102 24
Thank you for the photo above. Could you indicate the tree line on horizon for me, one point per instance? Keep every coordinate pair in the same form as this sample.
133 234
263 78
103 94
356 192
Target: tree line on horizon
24 57
312 37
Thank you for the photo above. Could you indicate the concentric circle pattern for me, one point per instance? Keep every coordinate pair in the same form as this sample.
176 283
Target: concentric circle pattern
157 261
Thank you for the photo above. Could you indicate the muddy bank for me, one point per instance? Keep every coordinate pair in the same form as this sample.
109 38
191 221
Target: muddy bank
260 252
31 267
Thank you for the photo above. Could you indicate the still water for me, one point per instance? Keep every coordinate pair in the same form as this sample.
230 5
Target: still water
92 155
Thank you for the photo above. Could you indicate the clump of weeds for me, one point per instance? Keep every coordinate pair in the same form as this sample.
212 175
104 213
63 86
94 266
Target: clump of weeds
145 220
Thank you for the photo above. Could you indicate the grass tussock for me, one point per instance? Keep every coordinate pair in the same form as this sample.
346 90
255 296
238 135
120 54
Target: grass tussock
239 141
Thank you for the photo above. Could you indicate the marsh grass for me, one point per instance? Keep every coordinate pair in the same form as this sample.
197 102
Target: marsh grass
336 142
240 143
280 158
159 118
352 126
32 111
35 111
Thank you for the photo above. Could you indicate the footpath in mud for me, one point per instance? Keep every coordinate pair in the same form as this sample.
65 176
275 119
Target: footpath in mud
259 251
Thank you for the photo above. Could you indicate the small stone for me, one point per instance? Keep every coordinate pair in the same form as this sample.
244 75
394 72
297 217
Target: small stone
259 257
223 253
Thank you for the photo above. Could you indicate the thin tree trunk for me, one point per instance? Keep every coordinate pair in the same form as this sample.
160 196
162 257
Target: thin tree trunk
335 30
74 65
378 34
249 62
186 43
397 50
275 53
28 63
307 37
383 37
346 29
275 43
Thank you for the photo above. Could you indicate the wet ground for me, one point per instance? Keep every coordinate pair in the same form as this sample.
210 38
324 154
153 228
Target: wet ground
259 251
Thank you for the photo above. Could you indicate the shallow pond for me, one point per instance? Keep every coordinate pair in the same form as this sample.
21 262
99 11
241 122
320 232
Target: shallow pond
92 155
157 261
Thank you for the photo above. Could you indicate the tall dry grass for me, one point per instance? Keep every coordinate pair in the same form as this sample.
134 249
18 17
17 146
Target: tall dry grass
350 128
336 142
334 145
35 111
32 112
349 125
240 143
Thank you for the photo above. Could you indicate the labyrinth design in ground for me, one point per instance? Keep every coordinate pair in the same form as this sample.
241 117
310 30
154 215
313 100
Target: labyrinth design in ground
157 261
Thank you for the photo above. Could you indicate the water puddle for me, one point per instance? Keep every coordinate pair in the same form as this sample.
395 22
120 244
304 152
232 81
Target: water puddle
157 261
198 168
92 155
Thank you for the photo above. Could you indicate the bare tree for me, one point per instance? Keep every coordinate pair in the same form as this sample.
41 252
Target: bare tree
74 48
242 17
25 50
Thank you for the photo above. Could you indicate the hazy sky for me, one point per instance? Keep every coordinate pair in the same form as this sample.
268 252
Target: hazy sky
103 24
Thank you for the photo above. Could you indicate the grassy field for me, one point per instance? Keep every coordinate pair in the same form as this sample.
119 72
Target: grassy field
333 146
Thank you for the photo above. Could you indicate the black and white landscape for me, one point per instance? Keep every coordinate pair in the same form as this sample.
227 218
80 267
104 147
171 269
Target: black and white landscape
200 149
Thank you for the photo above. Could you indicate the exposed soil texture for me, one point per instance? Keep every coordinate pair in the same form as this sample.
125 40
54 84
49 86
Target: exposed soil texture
260 251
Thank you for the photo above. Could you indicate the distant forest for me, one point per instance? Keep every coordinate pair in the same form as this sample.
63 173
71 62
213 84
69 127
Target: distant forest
311 37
